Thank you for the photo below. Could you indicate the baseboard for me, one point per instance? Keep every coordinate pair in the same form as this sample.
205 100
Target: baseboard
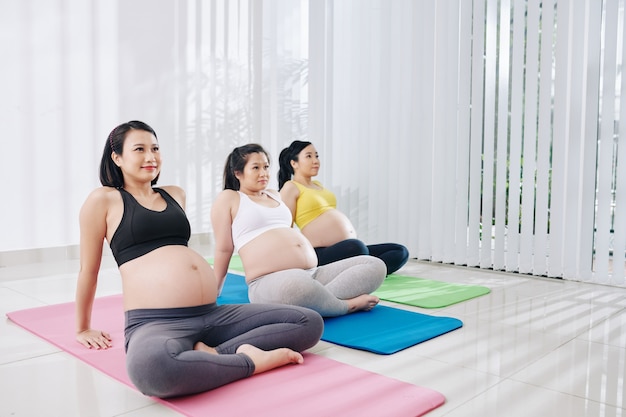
72 252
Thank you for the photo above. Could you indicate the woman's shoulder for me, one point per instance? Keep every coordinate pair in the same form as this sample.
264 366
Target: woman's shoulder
101 198
290 194
290 187
174 190
102 194
226 196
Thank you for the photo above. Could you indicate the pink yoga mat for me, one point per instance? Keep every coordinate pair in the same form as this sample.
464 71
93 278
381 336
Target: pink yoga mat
319 387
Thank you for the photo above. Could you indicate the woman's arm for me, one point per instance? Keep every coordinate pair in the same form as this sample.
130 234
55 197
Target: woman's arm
222 221
289 194
92 233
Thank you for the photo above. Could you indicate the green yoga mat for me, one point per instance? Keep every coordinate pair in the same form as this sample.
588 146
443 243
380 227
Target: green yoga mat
417 292
235 263
426 293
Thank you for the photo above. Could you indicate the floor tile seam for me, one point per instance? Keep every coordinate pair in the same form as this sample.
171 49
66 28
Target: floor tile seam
616 313
600 323
475 396
569 394
595 342
564 339
483 312
18 284
499 306
146 407
26 359
585 338
32 270
531 360
41 303
537 359
473 368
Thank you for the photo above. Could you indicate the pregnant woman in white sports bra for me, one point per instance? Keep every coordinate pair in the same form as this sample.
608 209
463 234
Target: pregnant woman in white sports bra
279 262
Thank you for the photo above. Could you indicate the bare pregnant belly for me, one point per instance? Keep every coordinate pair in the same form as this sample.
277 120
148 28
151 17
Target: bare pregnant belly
277 250
329 228
168 277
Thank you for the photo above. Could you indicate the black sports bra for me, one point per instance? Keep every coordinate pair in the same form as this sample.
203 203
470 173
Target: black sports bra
142 230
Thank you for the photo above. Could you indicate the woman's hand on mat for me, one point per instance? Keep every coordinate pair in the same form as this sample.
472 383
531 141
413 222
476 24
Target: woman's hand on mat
94 339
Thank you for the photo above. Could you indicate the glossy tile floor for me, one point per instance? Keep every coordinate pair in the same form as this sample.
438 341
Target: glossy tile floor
532 347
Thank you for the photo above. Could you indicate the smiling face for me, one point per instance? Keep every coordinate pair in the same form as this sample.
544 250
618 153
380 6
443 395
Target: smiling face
308 164
256 173
140 160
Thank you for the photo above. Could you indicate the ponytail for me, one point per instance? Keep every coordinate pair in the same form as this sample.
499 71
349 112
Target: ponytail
285 171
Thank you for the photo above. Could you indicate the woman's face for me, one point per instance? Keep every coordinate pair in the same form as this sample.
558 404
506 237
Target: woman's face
140 159
308 162
256 173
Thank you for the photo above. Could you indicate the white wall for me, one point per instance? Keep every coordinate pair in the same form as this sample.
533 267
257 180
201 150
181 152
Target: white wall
71 71
435 120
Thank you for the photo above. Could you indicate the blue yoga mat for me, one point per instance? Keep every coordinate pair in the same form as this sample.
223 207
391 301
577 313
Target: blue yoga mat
386 330
383 330
235 290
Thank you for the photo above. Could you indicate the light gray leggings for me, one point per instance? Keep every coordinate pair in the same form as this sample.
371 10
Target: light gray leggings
322 289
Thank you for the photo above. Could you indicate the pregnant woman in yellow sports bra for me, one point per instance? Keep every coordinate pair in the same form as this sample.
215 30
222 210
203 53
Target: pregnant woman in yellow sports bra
314 210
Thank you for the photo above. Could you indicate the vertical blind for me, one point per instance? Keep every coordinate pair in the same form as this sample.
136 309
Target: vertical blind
486 133
483 133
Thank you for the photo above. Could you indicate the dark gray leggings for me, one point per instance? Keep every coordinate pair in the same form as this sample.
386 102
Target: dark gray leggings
160 359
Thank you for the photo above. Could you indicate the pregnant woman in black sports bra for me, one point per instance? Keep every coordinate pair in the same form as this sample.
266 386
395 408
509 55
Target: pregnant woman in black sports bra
178 341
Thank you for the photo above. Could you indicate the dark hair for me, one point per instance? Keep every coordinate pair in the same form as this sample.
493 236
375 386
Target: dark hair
110 174
287 155
236 161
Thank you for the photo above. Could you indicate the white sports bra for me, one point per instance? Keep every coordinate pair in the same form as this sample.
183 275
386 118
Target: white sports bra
253 219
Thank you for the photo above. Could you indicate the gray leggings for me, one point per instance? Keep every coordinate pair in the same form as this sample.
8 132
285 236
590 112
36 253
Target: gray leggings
322 289
160 359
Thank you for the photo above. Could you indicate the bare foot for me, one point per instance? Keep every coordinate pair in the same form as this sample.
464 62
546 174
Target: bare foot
264 360
364 302
204 348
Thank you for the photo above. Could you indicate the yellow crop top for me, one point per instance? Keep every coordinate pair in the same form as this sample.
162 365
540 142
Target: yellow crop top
311 203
